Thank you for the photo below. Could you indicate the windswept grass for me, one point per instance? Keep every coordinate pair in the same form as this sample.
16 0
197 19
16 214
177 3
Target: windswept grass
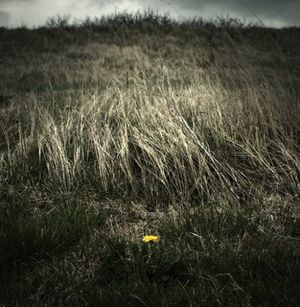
187 130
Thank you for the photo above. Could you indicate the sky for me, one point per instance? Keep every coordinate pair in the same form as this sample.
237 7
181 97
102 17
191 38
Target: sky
32 13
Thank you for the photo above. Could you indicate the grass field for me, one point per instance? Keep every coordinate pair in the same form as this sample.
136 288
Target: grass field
136 125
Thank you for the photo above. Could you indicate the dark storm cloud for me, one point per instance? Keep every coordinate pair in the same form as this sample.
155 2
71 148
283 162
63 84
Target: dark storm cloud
15 1
288 10
258 4
102 3
4 18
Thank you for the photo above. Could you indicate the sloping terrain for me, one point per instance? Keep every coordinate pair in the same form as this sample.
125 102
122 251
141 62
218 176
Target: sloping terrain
136 124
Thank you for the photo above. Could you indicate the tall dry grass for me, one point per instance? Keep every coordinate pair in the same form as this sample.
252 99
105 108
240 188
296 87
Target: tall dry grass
147 136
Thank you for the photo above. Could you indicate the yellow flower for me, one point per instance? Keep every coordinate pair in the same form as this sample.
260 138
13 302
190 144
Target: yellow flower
151 239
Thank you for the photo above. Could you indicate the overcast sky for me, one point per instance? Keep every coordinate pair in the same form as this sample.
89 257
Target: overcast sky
35 12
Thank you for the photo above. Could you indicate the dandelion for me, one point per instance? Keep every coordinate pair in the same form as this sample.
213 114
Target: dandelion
151 239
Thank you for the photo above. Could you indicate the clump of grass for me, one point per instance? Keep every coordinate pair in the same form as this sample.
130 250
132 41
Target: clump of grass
162 141
25 237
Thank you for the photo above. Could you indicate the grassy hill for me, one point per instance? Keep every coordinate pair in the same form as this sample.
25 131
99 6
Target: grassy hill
131 125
